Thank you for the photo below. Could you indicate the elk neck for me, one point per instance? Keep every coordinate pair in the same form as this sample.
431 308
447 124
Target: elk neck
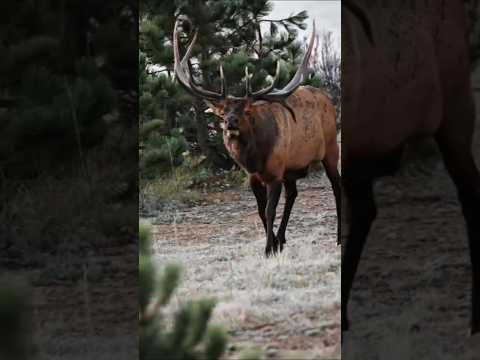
255 142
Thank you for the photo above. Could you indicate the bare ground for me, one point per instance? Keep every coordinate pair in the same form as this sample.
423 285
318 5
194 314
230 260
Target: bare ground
94 318
411 298
287 306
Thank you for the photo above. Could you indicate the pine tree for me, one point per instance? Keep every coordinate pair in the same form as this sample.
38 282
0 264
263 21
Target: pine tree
190 336
58 73
67 108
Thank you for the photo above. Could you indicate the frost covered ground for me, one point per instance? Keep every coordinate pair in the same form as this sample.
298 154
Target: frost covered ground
288 306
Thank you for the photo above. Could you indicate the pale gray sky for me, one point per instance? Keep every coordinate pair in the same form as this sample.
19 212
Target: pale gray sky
325 12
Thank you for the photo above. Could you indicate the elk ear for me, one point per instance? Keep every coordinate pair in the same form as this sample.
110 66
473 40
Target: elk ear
215 108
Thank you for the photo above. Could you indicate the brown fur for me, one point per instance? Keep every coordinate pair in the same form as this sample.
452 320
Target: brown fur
275 143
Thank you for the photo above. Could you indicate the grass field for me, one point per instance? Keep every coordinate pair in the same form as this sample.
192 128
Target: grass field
287 306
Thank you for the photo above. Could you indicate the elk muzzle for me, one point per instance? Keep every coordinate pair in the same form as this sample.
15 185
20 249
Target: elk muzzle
231 123
231 126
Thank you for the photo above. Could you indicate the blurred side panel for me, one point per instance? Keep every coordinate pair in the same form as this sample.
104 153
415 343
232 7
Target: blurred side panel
68 179
410 157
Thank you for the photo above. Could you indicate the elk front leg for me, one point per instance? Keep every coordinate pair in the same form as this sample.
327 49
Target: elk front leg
290 196
362 213
458 159
273 195
260 192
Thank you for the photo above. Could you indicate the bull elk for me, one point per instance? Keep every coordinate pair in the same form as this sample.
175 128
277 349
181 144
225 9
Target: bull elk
274 135
413 81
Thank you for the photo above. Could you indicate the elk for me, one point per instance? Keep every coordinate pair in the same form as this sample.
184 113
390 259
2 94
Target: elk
274 135
412 81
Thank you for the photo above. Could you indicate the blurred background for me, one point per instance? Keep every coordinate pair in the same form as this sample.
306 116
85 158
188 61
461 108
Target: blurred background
68 179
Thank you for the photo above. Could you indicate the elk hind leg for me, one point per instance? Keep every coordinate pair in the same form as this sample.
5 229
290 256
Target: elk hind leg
274 190
290 196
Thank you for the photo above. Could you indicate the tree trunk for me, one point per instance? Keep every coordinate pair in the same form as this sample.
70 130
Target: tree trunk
214 157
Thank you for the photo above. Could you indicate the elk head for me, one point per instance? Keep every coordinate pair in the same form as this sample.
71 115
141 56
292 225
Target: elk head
237 111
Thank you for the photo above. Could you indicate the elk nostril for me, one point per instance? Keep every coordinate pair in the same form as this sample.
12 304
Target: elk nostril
232 125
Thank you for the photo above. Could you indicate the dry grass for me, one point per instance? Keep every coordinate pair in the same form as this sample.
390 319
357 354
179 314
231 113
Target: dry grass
287 305
172 188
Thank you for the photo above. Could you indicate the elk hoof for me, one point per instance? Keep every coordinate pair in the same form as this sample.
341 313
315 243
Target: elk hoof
268 251
275 248
271 250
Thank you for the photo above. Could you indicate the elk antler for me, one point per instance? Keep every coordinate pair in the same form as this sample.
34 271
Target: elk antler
183 74
185 78
280 96
263 91
302 72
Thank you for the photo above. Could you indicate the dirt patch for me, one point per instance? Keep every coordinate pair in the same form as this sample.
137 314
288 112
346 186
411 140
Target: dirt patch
89 310
289 305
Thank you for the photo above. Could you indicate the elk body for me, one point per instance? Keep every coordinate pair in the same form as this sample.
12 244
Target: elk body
275 135
412 81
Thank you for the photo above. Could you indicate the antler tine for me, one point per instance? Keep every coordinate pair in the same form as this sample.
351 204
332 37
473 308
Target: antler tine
248 88
272 84
302 72
179 69
224 82
182 70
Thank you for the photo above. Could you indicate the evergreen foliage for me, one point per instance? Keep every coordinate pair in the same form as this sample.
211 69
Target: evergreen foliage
67 117
60 70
